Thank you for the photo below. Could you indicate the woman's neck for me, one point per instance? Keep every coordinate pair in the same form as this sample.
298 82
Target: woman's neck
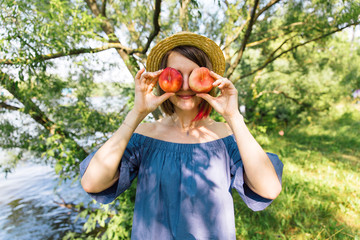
184 121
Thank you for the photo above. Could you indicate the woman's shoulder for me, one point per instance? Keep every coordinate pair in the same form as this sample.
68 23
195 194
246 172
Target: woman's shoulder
146 128
220 128
150 129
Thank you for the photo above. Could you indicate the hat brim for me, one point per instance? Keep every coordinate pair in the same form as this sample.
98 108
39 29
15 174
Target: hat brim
208 46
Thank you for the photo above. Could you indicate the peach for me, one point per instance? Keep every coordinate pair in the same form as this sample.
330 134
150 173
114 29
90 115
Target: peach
200 80
170 80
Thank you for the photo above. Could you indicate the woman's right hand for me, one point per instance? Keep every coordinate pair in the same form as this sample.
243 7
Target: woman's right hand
145 99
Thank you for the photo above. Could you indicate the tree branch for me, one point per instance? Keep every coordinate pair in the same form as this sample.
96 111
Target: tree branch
26 43
273 37
63 54
294 47
279 47
269 5
35 112
7 106
278 92
103 8
156 28
238 32
183 15
74 207
107 27
283 27
261 11
127 57
244 41
252 44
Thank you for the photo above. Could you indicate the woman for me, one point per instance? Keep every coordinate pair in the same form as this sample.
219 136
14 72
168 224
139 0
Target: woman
186 168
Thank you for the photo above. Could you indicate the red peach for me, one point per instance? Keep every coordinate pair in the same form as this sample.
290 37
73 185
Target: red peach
200 80
170 80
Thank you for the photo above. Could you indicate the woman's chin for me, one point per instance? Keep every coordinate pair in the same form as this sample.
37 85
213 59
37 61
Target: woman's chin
186 104
186 107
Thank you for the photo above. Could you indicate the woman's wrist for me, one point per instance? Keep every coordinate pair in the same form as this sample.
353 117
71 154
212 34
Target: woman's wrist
234 118
139 113
133 119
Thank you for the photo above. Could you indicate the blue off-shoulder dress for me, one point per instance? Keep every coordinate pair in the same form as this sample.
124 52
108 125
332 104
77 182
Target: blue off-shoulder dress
183 190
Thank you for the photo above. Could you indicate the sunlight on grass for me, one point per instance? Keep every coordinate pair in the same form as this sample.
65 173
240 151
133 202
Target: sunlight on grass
320 197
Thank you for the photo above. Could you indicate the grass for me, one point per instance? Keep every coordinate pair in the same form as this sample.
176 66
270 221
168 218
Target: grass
321 195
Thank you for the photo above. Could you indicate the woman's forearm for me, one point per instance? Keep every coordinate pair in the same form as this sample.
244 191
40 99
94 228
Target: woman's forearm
102 171
260 174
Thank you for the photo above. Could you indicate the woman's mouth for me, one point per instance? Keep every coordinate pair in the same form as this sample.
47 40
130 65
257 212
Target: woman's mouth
185 96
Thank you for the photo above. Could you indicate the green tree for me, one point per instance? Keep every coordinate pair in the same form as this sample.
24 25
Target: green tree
268 45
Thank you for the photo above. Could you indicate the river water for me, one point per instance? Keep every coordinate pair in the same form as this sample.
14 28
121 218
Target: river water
27 204
28 196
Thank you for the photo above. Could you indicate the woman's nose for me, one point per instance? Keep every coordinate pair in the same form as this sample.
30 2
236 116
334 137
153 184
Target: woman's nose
185 85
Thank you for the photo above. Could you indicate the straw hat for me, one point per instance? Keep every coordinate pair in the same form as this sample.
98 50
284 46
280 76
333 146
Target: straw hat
212 50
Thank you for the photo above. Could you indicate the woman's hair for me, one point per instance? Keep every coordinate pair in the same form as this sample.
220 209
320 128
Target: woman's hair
200 58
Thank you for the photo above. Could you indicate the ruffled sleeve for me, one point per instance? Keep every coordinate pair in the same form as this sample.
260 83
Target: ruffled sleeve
128 169
251 199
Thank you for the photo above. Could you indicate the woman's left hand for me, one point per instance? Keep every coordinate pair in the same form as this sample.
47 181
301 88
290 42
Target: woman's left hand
227 102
